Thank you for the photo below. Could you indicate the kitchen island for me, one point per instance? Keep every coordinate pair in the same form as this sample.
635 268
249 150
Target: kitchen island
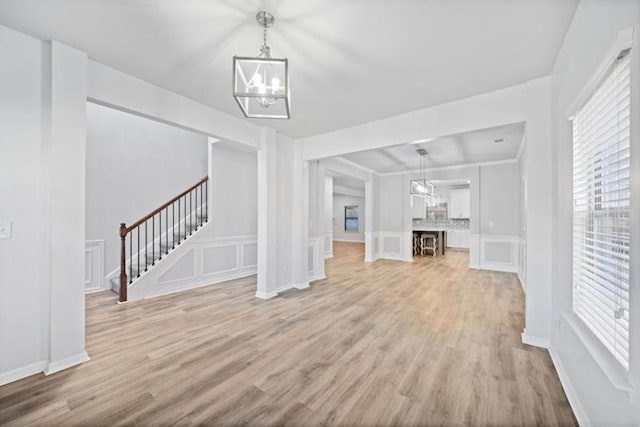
441 233
452 233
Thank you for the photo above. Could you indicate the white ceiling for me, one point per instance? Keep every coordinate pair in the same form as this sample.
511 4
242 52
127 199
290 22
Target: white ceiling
465 148
351 61
348 182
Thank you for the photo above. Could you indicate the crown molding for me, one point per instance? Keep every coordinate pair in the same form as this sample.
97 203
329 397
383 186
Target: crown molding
460 166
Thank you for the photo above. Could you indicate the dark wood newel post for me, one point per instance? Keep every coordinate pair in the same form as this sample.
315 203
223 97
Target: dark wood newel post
123 263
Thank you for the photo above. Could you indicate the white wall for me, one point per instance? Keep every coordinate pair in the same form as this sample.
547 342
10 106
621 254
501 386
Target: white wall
499 199
108 86
339 202
522 224
285 221
234 204
24 98
134 165
594 397
391 207
42 119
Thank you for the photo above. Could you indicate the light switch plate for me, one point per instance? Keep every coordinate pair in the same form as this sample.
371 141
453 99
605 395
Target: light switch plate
5 230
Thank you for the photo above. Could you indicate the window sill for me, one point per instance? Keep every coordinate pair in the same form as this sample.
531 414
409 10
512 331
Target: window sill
616 374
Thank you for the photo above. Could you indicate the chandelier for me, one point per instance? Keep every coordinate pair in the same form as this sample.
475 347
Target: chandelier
422 187
261 84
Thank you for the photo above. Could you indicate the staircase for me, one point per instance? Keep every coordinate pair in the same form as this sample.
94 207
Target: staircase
147 241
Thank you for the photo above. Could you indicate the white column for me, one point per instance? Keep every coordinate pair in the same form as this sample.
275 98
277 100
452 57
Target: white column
328 217
407 222
300 221
210 142
67 208
474 217
267 231
318 242
370 218
539 217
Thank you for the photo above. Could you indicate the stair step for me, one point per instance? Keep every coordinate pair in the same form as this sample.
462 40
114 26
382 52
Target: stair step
115 281
154 256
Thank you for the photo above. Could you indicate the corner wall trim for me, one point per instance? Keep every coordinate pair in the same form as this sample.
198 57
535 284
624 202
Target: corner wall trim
317 277
60 365
535 341
521 280
569 390
266 295
23 372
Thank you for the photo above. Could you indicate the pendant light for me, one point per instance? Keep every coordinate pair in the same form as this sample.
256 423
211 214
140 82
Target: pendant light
422 187
261 83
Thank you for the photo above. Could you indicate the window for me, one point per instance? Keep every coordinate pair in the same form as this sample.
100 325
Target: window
601 205
350 218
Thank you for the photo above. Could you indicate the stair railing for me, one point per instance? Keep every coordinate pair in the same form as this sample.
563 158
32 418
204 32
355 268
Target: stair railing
181 216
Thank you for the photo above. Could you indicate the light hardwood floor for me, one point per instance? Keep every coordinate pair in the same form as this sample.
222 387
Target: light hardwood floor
388 343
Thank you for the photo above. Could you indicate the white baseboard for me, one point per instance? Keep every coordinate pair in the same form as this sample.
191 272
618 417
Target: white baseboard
23 372
521 280
59 365
496 266
283 288
395 257
319 277
266 295
348 241
505 268
535 341
480 257
569 390
192 285
327 256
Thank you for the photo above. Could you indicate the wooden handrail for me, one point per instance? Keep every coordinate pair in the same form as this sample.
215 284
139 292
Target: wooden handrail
124 231
165 205
123 261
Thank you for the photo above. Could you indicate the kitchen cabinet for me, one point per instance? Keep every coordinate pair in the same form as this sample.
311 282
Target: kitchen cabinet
458 239
459 203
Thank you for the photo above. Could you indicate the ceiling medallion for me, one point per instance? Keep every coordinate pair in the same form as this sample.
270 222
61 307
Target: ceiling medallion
261 83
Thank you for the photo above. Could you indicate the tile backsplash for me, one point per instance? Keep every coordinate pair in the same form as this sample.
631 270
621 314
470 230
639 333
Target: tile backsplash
451 224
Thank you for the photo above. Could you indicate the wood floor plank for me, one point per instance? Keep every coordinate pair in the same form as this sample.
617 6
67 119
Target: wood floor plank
387 343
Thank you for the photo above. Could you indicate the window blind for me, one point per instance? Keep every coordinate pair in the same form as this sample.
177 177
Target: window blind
601 210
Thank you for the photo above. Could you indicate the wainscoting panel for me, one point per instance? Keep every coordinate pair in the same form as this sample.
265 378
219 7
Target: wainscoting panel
328 245
370 246
94 266
393 245
522 269
496 253
316 258
199 261
220 259
183 269
249 255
